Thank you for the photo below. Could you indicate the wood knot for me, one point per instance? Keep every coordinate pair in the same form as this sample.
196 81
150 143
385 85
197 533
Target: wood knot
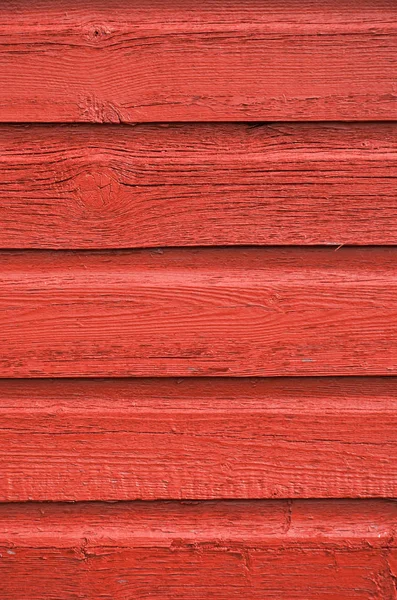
96 33
96 189
101 111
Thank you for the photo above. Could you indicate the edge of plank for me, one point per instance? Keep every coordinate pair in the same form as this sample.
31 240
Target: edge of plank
261 523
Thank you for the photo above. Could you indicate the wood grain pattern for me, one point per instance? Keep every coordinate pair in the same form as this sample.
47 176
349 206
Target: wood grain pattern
198 438
224 311
119 187
121 61
344 550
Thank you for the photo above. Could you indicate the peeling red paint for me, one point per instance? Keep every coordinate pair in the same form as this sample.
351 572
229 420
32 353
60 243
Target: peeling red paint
214 392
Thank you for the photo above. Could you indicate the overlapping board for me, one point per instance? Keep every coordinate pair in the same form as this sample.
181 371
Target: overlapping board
229 60
199 312
195 551
200 184
197 438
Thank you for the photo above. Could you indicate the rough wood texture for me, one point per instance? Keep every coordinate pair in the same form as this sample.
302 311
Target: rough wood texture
310 550
197 438
119 187
224 311
217 60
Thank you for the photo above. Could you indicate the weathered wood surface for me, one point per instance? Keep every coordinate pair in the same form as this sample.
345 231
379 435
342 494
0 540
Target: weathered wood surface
197 438
203 184
220 311
304 550
122 61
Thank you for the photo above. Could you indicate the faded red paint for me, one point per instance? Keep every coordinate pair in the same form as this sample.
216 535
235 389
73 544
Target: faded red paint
201 184
122 61
301 550
87 327
199 312
198 438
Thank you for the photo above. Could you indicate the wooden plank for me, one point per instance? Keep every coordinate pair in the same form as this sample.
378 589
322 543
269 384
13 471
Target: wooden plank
220 311
253 550
198 438
185 185
121 61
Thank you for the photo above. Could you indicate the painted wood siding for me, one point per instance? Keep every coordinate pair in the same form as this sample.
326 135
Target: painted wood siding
198 300
90 187
117 61
199 312
278 549
198 438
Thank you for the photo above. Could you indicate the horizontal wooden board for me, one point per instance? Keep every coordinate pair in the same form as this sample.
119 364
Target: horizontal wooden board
220 311
343 550
197 438
217 60
197 184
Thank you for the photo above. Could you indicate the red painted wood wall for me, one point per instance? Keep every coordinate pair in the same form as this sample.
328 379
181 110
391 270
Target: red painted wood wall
198 299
